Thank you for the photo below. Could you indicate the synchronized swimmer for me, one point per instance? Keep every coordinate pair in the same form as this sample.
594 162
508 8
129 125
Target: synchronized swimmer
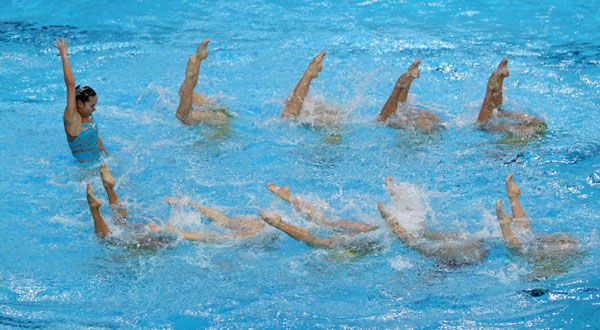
141 236
80 126
194 108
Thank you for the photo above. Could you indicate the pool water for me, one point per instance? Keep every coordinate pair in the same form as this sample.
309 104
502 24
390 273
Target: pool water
55 273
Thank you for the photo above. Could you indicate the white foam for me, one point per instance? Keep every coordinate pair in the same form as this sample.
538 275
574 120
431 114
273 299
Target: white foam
400 263
410 206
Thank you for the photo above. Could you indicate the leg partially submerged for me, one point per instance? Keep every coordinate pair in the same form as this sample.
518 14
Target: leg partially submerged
521 123
513 193
400 91
451 248
108 182
204 236
295 101
505 220
219 218
310 211
400 232
419 119
301 234
493 94
94 203
188 98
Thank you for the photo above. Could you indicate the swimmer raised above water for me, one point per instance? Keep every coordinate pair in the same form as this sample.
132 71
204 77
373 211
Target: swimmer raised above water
451 248
324 115
80 126
210 114
310 211
407 117
493 118
525 242
141 236
241 227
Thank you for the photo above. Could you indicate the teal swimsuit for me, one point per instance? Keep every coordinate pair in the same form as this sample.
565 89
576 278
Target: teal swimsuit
85 146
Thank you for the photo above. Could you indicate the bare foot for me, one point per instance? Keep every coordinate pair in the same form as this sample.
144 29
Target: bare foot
281 192
155 227
385 214
405 79
107 180
174 200
315 66
414 68
503 68
202 50
503 218
273 220
93 202
390 186
511 188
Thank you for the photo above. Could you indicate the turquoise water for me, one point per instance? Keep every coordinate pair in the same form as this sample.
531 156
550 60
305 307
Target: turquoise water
56 274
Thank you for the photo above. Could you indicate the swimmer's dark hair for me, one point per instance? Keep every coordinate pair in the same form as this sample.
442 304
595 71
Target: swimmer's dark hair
84 93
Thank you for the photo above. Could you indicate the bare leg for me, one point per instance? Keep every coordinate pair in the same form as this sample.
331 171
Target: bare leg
294 103
201 53
188 97
94 203
187 90
426 233
207 237
310 211
502 73
493 94
402 234
390 186
504 220
301 234
400 92
221 219
513 193
391 189
108 182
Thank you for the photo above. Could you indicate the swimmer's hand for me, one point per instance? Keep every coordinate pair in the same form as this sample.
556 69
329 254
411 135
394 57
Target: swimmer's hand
61 45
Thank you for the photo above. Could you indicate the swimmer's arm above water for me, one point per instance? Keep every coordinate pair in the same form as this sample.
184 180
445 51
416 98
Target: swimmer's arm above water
70 117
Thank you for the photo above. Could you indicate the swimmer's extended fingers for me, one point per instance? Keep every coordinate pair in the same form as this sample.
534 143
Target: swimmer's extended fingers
61 45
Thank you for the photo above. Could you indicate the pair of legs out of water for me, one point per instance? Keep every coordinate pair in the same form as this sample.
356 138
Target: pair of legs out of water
414 118
451 247
427 121
419 119
546 245
240 227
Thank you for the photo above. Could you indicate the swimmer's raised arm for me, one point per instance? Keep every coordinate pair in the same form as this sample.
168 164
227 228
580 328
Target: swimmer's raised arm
295 101
71 117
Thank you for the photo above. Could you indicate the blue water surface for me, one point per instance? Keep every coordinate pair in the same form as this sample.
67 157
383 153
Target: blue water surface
55 273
